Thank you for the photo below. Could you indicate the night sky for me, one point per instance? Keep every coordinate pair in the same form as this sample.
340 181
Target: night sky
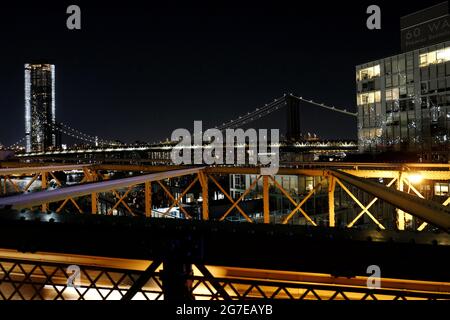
138 70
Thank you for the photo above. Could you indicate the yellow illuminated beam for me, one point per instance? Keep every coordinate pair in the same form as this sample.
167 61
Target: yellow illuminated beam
360 204
368 206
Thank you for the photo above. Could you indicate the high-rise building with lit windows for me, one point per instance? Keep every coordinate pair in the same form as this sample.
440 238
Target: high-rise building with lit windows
40 107
404 100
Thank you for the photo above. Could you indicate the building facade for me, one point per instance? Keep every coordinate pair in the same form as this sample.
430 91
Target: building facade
404 100
40 109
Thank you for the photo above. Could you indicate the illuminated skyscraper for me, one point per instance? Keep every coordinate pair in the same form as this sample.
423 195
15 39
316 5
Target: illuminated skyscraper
40 107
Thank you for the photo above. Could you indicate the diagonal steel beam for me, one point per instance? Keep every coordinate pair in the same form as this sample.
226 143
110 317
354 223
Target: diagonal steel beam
186 190
142 280
121 200
298 206
371 216
428 211
366 209
235 203
31 181
167 191
214 282
13 184
227 195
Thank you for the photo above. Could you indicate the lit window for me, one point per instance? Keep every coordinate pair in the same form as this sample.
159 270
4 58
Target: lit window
392 94
377 95
376 70
368 73
423 60
388 95
378 133
441 189
395 94
443 55
309 183
433 57
369 97
364 98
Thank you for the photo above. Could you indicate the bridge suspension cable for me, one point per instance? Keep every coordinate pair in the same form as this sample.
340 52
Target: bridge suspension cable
267 109
72 132
76 134
322 105
258 113
17 144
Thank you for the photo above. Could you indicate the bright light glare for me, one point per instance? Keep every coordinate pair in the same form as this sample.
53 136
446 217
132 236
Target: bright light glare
415 178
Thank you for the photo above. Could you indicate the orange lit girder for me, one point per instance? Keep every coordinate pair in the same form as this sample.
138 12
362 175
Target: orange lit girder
235 204
64 204
148 199
87 176
266 199
136 167
35 177
94 203
175 201
331 212
246 192
44 187
411 187
12 183
2 185
203 178
45 172
180 197
56 179
400 213
365 209
365 170
298 206
121 200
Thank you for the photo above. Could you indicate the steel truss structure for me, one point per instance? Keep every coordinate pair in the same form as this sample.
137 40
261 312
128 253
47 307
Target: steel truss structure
26 280
342 174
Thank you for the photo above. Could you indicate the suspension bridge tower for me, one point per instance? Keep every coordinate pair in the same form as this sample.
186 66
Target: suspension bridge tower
292 118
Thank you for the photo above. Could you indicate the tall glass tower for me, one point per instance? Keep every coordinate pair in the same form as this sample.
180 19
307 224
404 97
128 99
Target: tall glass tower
40 107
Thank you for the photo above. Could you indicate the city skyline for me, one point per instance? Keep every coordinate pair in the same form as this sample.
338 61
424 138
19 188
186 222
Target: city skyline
238 152
146 74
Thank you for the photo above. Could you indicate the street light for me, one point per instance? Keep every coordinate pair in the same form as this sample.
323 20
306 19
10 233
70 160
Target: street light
415 178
